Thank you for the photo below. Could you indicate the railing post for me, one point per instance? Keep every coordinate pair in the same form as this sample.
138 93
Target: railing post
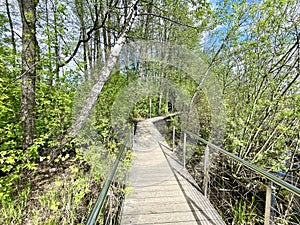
272 202
132 138
206 171
269 208
173 140
150 106
184 149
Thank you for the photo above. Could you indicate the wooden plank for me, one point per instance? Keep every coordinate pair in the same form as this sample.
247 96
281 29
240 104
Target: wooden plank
169 217
163 192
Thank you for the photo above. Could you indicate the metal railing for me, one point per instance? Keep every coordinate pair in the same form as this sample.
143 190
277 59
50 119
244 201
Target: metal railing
103 194
295 190
270 193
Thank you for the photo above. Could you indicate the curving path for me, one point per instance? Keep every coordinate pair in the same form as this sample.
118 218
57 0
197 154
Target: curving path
162 191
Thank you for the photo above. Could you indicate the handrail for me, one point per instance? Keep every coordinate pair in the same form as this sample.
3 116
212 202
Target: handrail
100 201
251 166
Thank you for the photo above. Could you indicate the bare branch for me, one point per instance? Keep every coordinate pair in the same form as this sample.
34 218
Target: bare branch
89 36
103 76
282 59
168 19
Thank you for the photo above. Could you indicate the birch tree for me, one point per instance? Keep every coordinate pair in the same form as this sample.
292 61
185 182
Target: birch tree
102 78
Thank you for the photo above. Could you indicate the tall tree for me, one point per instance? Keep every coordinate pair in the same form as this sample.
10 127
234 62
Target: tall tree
257 61
11 26
80 12
29 60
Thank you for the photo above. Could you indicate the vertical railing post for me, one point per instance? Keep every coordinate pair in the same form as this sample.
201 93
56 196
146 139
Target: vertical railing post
272 202
132 137
206 171
269 206
167 101
150 105
173 140
184 149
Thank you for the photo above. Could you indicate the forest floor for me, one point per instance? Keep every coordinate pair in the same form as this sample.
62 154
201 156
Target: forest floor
56 193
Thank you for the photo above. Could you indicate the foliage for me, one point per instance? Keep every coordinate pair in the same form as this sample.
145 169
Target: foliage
55 89
10 129
106 134
12 210
254 50
261 93
253 47
57 118
244 213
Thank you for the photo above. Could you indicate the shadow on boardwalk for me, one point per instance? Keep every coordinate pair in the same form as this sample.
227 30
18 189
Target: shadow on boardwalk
162 191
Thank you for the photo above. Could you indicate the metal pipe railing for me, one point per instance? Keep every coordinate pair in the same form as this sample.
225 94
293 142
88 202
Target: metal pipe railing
270 195
293 189
101 199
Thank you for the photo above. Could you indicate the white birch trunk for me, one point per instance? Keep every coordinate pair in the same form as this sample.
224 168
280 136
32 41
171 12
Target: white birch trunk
95 91
105 73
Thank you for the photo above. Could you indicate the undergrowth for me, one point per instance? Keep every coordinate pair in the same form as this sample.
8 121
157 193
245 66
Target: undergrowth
64 198
61 194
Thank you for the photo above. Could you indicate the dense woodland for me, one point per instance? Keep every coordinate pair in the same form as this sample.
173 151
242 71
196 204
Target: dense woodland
52 52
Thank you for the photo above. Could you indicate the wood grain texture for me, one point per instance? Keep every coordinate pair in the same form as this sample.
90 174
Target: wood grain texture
162 191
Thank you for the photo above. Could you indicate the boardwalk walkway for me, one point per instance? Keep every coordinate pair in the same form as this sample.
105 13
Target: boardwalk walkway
162 191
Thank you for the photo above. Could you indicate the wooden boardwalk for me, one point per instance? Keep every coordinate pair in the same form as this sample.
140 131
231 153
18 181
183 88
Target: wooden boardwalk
162 191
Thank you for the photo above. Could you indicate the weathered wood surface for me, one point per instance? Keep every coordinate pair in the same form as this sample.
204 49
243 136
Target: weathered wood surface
162 191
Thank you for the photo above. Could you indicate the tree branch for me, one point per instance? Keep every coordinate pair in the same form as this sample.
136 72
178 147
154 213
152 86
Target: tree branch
168 19
95 91
283 57
89 36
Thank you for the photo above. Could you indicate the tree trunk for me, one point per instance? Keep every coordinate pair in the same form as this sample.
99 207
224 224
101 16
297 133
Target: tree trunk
85 51
29 60
13 40
105 73
50 79
104 33
103 76
97 44
56 46
109 33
